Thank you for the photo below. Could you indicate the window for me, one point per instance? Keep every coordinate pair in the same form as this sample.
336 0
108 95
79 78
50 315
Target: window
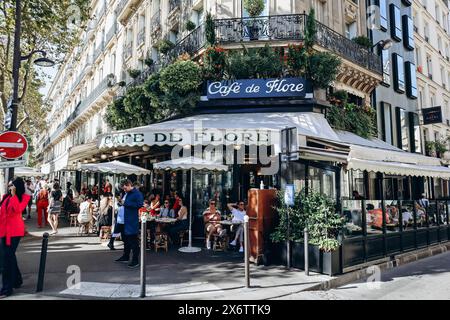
414 128
402 129
408 32
411 80
350 30
399 73
429 67
386 67
426 32
443 77
439 40
396 23
383 15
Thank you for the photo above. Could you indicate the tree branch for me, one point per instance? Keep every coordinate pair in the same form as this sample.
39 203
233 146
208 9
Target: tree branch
21 122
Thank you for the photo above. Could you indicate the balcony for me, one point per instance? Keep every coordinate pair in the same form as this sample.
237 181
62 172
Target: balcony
174 5
141 38
90 28
101 12
156 26
292 28
125 9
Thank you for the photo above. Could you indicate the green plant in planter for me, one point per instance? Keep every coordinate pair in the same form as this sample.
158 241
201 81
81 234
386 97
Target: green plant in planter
210 30
190 25
297 60
296 222
310 30
122 83
254 64
214 63
320 217
363 41
436 148
323 68
338 98
165 45
254 7
148 62
181 77
134 73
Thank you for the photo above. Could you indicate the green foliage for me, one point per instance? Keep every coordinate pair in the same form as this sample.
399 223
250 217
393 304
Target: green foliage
122 83
436 148
181 77
310 30
210 30
297 60
338 98
323 69
254 7
363 41
148 62
315 211
165 45
214 63
353 118
134 73
190 25
255 64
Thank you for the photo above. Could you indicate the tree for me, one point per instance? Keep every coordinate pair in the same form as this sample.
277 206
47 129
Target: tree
47 25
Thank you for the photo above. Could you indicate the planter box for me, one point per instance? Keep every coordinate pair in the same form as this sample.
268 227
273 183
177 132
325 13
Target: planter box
275 254
322 262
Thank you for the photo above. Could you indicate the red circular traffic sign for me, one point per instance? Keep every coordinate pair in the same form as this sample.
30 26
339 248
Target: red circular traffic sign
13 145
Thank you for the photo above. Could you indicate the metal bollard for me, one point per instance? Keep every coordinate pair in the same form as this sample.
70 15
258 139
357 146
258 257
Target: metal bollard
40 283
246 252
306 252
288 243
143 246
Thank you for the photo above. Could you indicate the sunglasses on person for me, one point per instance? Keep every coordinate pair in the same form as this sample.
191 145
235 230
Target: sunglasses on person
241 204
212 203
166 203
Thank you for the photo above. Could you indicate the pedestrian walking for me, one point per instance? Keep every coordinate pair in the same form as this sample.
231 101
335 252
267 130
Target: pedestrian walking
55 207
132 202
42 206
12 229
29 190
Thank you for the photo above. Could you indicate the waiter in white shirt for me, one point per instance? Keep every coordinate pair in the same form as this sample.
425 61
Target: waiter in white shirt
238 216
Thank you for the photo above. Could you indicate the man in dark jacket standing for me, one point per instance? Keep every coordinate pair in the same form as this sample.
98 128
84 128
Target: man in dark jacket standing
132 202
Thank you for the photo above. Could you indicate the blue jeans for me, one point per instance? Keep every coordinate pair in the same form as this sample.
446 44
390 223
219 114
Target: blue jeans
179 226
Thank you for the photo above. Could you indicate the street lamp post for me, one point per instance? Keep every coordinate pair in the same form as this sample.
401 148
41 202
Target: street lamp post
17 59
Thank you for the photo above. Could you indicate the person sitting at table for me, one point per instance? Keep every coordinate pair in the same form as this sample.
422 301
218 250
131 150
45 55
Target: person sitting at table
166 211
211 218
176 205
182 221
238 216
85 217
155 206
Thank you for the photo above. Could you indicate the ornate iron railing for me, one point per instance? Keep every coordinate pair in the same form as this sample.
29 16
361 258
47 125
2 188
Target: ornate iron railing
98 51
111 32
173 4
141 37
292 27
120 6
190 44
156 20
128 51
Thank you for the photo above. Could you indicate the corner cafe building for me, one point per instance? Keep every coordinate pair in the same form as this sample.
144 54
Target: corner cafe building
239 124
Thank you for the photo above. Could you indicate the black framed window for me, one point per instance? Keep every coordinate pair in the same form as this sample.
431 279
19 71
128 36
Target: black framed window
386 67
396 22
383 15
411 80
402 128
408 32
399 73
414 129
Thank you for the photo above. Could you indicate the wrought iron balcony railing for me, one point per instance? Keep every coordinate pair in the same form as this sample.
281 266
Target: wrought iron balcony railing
293 27
156 21
174 4
190 44
128 51
98 51
120 6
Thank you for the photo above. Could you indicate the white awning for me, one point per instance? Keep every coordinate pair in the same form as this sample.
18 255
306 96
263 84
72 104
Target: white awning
114 167
27 172
188 163
222 129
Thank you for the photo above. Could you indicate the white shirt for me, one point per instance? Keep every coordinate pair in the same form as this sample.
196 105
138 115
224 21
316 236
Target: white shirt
238 215
121 213
29 189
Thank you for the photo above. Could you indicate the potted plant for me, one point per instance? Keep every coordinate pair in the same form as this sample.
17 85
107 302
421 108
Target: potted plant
134 73
165 45
430 147
254 9
363 41
190 25
324 226
122 83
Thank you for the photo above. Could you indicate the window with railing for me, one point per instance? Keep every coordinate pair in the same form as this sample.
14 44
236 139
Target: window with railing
174 4
156 20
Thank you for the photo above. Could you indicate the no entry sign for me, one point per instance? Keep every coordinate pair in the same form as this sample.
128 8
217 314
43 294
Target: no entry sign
13 145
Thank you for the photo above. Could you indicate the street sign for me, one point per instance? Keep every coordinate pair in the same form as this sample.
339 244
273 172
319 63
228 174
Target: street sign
12 164
13 145
432 115
289 195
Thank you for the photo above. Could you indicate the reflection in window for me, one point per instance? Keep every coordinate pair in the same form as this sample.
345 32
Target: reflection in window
374 217
421 212
356 182
432 214
442 214
392 216
352 214
298 175
322 181
408 215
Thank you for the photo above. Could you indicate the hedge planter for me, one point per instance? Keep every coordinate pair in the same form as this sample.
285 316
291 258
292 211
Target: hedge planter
322 262
275 254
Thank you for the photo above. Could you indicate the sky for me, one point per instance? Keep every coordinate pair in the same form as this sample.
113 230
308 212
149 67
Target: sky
50 75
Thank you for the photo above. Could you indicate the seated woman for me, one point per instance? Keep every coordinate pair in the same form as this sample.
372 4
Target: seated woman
211 218
182 221
166 211
155 206
85 217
